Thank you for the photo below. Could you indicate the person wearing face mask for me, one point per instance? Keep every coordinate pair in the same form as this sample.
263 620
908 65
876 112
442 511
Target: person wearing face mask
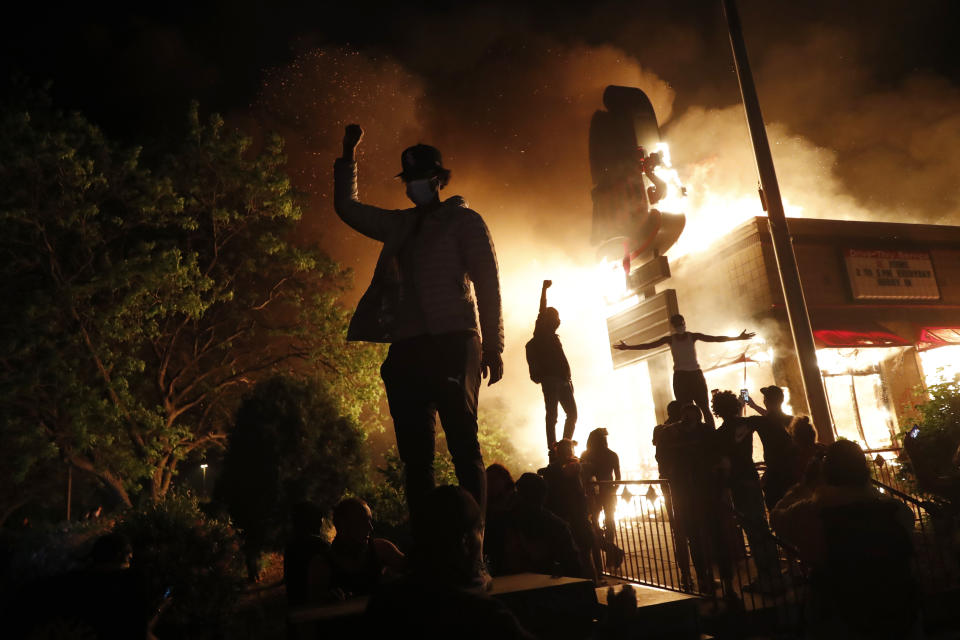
436 276
689 385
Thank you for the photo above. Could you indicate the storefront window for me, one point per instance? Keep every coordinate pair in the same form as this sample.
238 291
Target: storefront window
941 364
858 394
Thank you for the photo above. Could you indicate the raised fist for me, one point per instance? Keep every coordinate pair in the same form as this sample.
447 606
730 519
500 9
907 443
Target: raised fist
352 136
547 284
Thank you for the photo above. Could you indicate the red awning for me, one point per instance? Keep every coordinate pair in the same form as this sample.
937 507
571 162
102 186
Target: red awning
932 337
867 335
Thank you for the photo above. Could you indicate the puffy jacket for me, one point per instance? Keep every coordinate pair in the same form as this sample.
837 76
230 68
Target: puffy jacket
454 250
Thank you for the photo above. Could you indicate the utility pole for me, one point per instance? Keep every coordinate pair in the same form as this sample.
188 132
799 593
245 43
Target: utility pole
780 233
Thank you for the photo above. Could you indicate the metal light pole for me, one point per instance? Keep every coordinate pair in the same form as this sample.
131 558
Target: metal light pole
780 233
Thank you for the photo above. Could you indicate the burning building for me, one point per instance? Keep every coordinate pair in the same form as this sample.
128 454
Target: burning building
884 304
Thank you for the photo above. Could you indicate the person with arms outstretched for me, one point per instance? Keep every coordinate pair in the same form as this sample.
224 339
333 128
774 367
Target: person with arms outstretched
550 369
689 385
436 256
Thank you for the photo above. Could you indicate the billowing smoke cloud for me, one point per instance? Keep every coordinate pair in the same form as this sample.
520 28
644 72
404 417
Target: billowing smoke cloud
510 109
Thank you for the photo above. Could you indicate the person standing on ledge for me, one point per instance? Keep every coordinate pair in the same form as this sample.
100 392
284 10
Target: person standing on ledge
549 368
689 385
435 257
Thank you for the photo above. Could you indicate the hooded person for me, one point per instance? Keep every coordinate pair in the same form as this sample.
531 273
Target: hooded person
435 298
549 368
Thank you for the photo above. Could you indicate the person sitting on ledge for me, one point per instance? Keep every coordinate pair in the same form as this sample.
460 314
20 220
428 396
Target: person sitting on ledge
356 561
444 596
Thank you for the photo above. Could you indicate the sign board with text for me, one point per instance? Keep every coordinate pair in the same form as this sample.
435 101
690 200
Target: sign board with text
644 322
891 275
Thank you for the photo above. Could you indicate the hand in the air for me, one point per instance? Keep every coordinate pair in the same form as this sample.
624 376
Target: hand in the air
621 346
744 335
492 365
547 284
352 136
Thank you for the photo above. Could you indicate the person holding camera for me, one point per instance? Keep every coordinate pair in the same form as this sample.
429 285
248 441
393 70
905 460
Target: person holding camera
435 257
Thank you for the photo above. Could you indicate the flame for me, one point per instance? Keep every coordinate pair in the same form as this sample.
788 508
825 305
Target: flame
586 293
941 364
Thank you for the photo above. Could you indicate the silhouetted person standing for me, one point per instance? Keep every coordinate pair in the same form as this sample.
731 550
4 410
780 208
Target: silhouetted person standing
435 257
687 456
550 369
566 498
689 385
779 452
734 442
602 464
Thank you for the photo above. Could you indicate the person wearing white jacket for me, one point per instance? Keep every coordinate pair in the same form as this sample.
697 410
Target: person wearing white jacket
435 257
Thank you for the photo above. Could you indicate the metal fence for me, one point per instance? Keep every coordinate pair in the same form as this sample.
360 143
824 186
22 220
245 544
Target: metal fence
934 541
714 554
886 469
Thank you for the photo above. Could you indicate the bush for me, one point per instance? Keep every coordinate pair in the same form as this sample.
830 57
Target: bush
175 545
939 421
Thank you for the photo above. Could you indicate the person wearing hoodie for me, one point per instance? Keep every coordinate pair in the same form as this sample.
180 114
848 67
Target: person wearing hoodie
435 298
859 545
549 368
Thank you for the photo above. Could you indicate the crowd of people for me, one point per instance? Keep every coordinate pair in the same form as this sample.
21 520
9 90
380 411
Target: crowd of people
435 298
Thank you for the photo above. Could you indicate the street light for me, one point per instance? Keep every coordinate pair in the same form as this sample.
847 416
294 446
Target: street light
203 468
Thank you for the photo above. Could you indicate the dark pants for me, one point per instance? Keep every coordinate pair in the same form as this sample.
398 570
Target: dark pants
690 386
748 501
424 376
557 391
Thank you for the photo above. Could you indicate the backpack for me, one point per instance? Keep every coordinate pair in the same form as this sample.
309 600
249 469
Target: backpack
533 361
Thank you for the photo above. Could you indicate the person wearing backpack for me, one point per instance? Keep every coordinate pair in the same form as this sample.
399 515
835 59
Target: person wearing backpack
549 368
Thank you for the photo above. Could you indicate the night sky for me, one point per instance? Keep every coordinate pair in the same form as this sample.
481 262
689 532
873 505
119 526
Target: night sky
862 100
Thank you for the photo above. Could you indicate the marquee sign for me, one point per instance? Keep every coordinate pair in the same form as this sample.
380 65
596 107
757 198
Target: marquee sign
891 275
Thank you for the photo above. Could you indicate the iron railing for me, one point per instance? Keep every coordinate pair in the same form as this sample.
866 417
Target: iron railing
886 469
934 540
707 554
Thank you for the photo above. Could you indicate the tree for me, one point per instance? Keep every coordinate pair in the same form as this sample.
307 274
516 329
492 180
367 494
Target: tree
291 443
144 302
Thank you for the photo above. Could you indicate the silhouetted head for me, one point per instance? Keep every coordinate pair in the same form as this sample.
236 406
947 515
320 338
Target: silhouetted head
548 321
353 521
690 413
844 465
449 535
306 518
423 173
677 323
772 397
565 450
111 551
499 481
803 432
597 440
532 490
726 405
673 410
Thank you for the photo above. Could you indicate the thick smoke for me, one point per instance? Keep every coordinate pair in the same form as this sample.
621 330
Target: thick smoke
510 109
